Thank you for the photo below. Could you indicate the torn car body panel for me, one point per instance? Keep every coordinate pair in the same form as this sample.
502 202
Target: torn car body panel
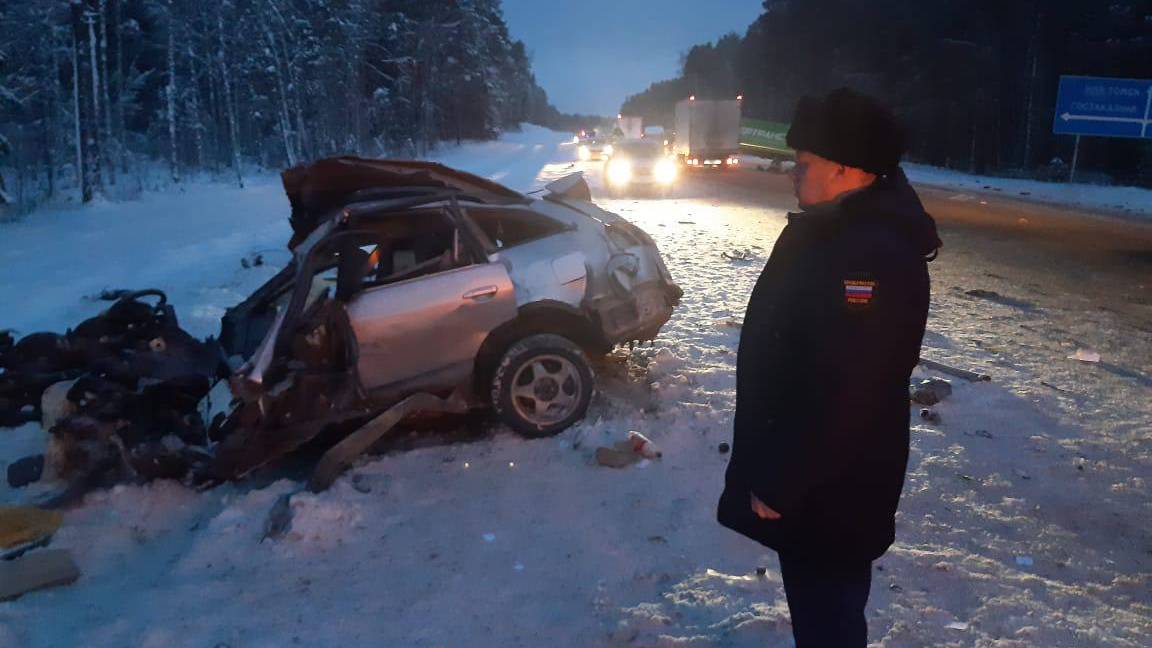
416 279
447 315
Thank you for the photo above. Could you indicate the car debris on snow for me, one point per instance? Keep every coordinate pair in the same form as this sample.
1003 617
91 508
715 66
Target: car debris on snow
1085 355
618 456
117 395
279 518
931 391
25 527
729 323
25 470
36 571
636 449
412 289
970 376
739 255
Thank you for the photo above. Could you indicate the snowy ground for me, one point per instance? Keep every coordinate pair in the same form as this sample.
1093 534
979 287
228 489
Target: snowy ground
1131 202
1024 521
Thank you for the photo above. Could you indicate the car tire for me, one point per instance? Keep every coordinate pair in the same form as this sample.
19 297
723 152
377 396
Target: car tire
542 385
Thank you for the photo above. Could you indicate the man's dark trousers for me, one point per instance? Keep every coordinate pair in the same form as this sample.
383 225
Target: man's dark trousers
826 601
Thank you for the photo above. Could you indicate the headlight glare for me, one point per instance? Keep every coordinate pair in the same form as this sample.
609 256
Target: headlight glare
619 172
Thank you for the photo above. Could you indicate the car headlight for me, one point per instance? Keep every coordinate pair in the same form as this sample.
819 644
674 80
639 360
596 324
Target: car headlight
608 149
583 153
619 172
665 171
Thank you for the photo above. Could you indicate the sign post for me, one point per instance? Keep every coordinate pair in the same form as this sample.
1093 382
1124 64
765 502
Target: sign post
1102 107
1075 159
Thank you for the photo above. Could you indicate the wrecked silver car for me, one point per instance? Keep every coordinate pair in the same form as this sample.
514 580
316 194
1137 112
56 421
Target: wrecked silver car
413 278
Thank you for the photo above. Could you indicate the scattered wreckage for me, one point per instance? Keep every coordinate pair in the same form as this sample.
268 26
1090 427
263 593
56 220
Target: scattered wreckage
118 394
412 288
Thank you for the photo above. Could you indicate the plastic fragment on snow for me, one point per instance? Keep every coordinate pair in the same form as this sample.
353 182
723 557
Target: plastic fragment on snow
1024 561
970 376
518 567
739 255
636 449
931 391
1085 355
361 483
279 518
616 457
21 525
25 471
489 537
36 571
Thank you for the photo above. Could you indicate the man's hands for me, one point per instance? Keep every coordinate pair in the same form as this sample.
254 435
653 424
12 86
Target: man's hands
762 510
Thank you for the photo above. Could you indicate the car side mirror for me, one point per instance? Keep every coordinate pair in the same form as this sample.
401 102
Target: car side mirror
350 271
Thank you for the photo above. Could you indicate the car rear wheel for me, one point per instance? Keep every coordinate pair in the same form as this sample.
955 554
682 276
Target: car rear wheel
542 386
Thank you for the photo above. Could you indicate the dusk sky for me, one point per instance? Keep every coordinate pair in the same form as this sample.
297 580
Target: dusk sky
591 54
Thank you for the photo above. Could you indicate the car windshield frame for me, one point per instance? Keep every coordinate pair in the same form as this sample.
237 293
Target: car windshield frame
642 150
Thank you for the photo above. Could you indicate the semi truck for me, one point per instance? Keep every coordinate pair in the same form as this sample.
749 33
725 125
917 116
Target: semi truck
629 127
708 132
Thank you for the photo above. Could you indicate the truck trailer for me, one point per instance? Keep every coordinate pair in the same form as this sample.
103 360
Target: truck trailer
707 132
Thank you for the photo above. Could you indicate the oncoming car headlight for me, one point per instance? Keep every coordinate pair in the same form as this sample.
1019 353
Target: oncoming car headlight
619 172
665 171
609 149
583 153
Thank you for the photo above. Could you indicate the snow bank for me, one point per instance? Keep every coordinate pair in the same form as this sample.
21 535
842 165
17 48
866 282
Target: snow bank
1134 201
1130 201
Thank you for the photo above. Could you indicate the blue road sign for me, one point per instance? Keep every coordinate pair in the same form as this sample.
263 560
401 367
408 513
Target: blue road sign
1104 107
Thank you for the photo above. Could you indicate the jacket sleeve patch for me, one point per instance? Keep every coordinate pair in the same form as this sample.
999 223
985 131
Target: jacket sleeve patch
859 292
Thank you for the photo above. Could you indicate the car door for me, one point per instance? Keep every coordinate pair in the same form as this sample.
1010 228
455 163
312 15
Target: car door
424 333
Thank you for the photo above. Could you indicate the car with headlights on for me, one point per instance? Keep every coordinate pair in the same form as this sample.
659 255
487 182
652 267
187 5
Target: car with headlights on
595 149
640 164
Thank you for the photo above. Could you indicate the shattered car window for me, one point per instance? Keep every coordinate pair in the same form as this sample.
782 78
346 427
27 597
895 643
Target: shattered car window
399 248
510 227
323 283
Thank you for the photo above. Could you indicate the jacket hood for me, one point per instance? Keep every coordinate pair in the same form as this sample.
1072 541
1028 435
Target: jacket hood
892 201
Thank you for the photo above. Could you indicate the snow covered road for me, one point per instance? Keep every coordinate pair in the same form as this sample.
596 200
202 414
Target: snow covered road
1024 520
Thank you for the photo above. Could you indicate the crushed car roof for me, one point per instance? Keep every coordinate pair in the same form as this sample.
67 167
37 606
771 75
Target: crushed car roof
315 189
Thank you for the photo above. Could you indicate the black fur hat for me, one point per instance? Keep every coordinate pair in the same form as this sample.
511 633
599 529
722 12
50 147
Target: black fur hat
850 128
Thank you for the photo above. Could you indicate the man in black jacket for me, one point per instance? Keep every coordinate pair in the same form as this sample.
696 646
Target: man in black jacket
830 338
